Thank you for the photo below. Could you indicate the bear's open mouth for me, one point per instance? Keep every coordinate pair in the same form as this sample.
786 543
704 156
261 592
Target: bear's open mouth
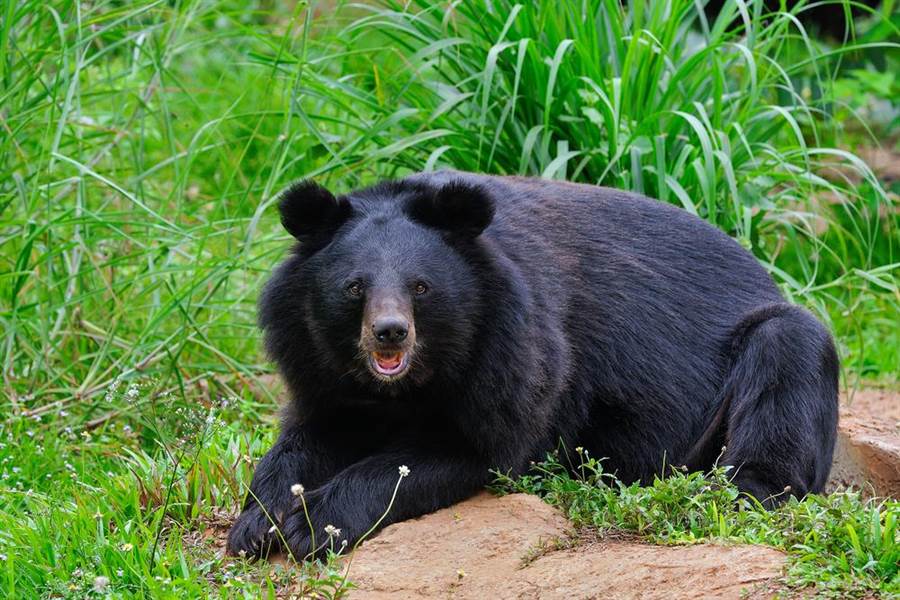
389 364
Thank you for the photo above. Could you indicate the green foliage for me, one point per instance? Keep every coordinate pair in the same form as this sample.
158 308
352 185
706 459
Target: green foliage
151 524
714 116
146 142
840 543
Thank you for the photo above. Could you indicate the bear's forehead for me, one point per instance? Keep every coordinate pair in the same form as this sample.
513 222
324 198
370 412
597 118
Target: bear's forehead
386 223
383 240
387 247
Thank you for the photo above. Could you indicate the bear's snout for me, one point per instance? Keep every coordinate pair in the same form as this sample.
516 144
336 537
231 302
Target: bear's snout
388 333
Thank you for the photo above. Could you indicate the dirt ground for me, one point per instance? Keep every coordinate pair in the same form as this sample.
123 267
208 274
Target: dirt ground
867 455
517 547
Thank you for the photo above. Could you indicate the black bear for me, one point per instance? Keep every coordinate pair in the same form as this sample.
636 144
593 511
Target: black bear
453 323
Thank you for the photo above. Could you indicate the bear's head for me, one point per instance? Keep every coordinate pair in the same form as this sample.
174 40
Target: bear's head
383 286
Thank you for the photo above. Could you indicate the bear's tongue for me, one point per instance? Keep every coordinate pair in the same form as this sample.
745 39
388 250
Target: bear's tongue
388 361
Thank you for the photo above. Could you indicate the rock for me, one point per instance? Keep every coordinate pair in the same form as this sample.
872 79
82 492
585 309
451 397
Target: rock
867 455
514 547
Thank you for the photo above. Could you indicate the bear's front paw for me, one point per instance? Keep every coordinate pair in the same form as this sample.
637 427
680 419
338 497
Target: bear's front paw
252 535
296 533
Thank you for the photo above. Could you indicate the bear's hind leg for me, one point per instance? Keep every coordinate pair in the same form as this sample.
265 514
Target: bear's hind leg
782 395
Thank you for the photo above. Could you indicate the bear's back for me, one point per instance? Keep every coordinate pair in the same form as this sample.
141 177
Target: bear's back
582 231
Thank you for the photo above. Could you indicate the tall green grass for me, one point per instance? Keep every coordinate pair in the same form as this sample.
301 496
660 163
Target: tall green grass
141 144
716 116
144 143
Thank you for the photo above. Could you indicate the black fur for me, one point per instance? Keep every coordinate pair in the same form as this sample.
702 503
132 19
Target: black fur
312 214
579 314
458 207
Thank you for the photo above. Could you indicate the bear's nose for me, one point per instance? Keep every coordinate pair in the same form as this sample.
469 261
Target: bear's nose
391 330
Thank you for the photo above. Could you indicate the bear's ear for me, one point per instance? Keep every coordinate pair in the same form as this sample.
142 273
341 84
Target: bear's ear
312 214
457 207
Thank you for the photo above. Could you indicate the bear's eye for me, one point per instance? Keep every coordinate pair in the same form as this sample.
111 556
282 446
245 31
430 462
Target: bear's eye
354 289
421 288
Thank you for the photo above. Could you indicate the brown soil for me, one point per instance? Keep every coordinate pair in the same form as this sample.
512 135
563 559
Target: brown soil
518 547
880 406
867 455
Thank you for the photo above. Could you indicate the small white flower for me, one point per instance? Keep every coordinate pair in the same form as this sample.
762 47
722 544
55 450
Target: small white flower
404 470
3 558
100 583
273 529
297 489
120 573
332 531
